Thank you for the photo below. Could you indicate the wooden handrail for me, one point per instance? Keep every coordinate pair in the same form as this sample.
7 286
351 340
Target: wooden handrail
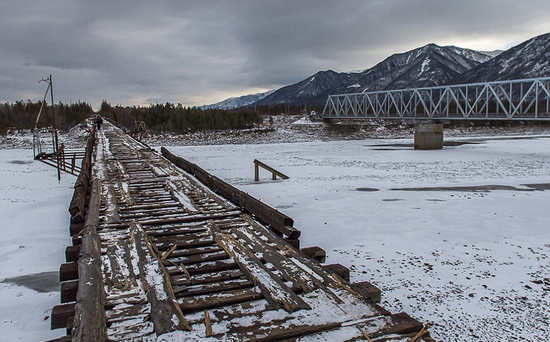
274 173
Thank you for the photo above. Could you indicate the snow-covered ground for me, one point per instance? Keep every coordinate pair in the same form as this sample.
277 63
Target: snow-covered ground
473 259
424 226
34 231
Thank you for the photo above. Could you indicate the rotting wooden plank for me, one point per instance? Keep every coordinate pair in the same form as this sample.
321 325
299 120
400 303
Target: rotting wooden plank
123 208
195 250
158 287
193 218
89 320
68 291
274 290
182 279
121 275
302 261
315 253
184 242
288 270
198 258
205 267
160 231
221 286
150 215
210 301
61 314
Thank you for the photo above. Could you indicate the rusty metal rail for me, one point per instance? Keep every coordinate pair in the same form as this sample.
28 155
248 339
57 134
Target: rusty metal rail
165 254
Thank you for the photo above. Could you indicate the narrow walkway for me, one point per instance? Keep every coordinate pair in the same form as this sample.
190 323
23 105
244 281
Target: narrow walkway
180 263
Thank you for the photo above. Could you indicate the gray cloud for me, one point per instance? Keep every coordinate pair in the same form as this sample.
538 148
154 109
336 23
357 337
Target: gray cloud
198 52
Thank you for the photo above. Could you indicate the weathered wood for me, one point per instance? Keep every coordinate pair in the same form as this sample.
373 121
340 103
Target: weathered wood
339 269
401 323
315 253
274 173
195 251
205 267
61 314
217 300
288 270
72 253
120 274
208 259
294 243
368 291
76 228
205 278
420 334
262 211
274 290
158 286
207 323
221 286
68 271
198 258
262 333
89 321
68 291
192 218
61 339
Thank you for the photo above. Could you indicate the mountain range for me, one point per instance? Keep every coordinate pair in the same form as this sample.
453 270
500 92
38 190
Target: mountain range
427 66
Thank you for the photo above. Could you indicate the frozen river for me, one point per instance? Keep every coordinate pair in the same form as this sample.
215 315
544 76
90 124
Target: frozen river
457 237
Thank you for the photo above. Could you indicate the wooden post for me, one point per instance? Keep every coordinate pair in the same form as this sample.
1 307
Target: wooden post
274 173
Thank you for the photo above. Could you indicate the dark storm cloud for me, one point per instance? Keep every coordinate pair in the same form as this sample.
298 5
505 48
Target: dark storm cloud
197 52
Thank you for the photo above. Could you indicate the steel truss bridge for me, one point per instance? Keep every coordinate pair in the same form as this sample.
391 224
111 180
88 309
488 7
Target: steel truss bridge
527 99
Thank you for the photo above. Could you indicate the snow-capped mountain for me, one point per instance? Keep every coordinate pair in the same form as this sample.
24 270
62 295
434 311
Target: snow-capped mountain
236 102
309 91
427 66
430 65
529 59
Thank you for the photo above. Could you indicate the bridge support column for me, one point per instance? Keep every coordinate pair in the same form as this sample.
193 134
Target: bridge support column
428 136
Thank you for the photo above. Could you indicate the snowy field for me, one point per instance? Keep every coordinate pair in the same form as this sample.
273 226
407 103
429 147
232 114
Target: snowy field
34 224
453 237
457 237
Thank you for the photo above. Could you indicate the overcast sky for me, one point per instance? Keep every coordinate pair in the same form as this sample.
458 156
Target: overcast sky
201 52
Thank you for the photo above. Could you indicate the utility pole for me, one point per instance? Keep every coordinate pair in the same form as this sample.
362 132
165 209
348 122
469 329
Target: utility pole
49 80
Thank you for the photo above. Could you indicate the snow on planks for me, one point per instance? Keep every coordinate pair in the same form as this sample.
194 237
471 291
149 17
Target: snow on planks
180 262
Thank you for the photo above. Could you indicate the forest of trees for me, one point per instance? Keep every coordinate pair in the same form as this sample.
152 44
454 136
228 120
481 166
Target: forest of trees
176 118
166 117
22 115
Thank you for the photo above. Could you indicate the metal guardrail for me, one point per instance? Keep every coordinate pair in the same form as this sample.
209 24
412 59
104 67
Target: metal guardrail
527 99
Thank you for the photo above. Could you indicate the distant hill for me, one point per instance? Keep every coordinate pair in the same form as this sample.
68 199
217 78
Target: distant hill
529 59
430 65
427 66
236 102
312 90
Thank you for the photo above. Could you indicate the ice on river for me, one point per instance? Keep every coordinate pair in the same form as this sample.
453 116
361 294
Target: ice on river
458 237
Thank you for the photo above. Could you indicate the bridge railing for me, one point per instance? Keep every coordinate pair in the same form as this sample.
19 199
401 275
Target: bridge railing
527 99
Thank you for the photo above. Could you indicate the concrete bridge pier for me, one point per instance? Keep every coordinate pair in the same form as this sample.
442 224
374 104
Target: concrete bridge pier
428 136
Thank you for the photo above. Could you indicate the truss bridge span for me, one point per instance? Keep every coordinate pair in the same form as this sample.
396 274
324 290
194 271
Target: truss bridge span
521 100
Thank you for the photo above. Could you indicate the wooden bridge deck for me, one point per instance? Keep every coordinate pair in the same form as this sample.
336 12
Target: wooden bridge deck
159 256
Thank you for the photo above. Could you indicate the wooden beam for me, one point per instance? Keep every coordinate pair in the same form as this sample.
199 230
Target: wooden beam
89 321
276 292
159 290
274 173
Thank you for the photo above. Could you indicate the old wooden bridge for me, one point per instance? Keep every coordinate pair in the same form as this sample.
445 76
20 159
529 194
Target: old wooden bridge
164 251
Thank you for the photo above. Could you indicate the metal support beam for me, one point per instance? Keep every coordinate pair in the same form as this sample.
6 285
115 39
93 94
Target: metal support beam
526 100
